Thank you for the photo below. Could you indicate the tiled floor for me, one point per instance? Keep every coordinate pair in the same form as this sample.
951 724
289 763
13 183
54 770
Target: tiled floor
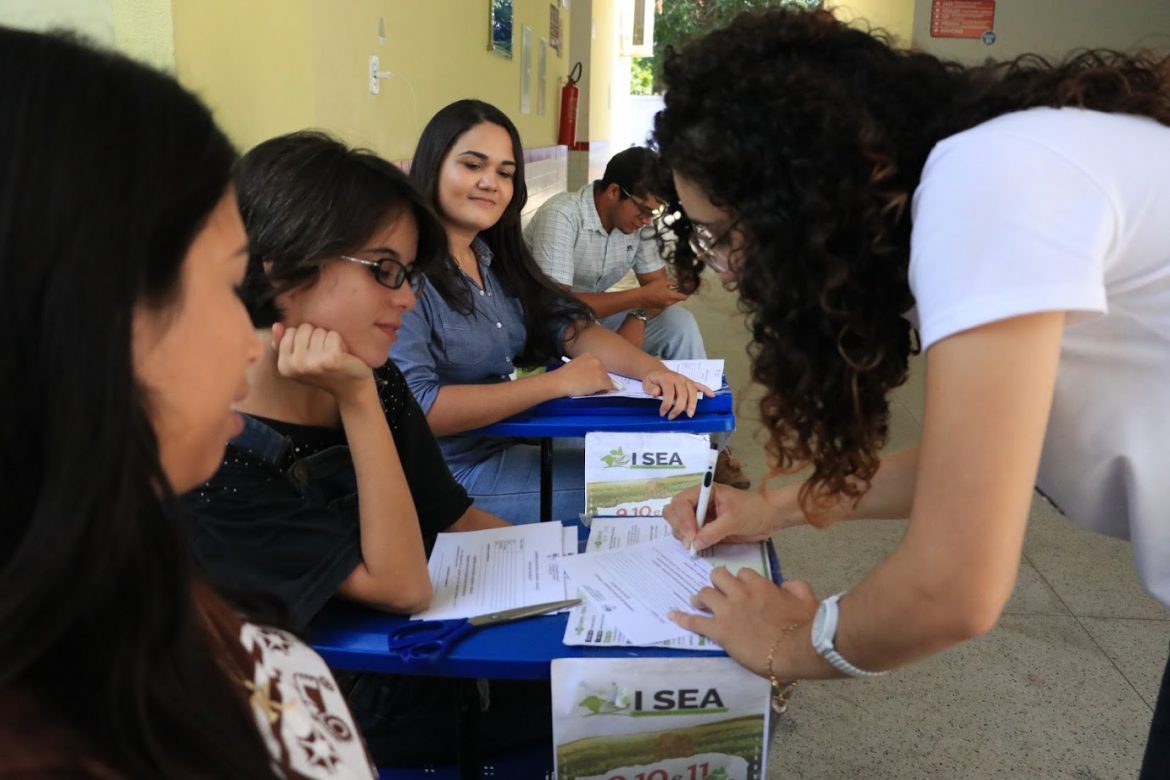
1062 688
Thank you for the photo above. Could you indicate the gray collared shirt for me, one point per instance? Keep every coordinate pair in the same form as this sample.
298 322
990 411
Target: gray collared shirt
573 248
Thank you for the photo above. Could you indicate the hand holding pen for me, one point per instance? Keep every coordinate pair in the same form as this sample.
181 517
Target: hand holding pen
582 375
732 515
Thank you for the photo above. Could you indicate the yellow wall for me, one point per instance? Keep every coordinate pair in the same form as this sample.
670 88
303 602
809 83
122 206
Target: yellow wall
604 57
250 61
272 66
894 16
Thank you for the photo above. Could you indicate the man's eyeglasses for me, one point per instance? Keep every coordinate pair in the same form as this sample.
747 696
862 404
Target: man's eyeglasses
711 249
389 273
643 210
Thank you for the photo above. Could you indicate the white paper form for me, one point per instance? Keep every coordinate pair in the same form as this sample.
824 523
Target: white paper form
637 586
591 627
475 572
553 565
706 372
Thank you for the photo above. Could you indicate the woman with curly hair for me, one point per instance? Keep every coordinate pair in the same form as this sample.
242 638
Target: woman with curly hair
1013 217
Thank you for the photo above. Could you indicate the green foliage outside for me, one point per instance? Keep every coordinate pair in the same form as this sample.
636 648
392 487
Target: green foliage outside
642 76
678 21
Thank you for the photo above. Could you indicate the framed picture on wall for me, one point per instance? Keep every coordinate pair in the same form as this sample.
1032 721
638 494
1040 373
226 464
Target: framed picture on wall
500 27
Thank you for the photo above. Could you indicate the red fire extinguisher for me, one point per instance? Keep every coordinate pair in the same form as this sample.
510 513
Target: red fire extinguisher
569 94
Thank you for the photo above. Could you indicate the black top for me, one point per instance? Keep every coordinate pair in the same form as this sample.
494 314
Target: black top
280 517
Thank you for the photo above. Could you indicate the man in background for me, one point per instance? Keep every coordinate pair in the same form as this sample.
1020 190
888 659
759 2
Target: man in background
586 241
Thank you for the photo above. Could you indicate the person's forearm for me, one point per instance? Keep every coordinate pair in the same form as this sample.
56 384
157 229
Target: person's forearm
607 303
459 408
922 593
633 330
618 355
905 591
394 570
475 519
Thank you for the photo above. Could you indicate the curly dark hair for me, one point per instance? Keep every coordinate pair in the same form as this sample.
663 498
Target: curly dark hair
813 135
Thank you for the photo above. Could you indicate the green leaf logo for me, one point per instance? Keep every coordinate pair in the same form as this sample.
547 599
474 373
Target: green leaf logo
592 703
611 702
615 458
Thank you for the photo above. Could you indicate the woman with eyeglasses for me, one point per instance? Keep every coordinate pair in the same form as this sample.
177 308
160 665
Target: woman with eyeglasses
121 251
336 486
1015 216
487 310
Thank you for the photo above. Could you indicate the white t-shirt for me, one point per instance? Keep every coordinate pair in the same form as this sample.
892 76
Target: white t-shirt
1068 210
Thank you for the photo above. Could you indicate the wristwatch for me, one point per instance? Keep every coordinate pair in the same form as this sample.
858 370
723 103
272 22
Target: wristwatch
824 635
640 314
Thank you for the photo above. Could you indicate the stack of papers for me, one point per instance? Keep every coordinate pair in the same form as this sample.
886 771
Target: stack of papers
635 572
705 372
476 572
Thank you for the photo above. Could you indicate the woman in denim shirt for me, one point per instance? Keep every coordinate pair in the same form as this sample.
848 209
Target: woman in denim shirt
488 308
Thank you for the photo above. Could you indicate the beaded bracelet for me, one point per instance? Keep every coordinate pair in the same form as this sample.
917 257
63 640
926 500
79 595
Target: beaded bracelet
781 691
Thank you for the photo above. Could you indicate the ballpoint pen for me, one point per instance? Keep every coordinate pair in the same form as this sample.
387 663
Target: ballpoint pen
705 493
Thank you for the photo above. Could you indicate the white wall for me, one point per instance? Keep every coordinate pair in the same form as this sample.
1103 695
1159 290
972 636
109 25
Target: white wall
92 18
633 119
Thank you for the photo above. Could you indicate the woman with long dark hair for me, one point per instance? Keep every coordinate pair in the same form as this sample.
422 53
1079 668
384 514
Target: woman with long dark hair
121 249
336 486
488 309
1015 216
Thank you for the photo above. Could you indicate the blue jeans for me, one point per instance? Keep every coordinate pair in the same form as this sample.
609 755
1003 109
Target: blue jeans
672 335
508 483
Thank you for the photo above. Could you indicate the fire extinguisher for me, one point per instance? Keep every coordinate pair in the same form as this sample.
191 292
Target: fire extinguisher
569 94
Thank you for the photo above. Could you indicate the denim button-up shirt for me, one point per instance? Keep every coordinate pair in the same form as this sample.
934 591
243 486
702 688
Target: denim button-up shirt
439 346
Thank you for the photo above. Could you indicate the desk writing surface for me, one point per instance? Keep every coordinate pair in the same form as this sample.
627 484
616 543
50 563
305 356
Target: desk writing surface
562 417
349 636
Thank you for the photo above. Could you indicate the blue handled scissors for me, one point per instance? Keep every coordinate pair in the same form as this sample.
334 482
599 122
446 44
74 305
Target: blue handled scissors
430 640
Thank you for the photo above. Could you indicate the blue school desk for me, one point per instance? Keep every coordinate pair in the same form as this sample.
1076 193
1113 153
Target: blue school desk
574 417
353 637
349 636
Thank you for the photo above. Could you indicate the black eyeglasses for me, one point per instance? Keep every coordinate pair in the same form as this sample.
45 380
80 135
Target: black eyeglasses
389 273
645 211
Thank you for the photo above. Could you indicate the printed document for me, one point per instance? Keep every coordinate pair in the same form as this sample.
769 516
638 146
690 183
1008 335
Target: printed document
637 586
592 627
705 372
475 572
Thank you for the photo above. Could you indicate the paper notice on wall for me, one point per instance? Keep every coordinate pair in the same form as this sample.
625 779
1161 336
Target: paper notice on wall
685 718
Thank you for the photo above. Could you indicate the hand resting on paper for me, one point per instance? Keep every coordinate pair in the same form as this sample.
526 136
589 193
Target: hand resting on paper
678 393
748 613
